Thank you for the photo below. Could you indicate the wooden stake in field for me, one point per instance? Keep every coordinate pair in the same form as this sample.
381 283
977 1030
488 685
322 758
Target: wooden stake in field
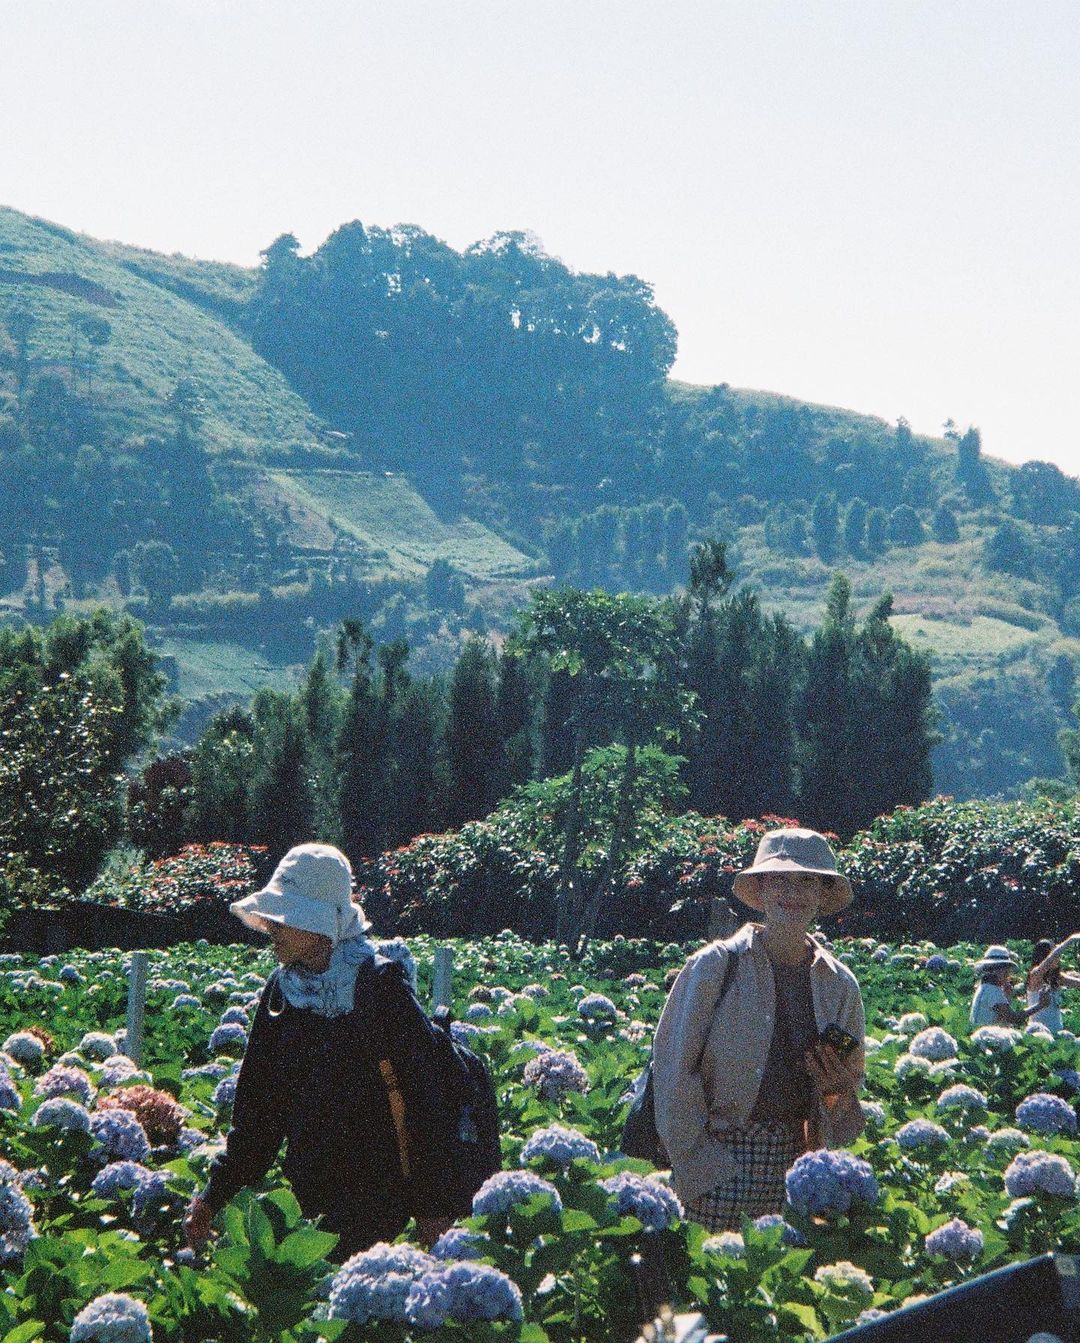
136 1009
442 992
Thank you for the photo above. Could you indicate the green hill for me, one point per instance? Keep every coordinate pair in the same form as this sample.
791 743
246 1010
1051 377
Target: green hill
246 457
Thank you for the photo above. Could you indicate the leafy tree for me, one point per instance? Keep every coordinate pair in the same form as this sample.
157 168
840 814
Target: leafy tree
158 569
282 795
824 524
473 743
877 531
443 587
945 528
971 472
905 528
855 526
1008 550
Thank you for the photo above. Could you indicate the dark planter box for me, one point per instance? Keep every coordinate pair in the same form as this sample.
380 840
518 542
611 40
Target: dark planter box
94 927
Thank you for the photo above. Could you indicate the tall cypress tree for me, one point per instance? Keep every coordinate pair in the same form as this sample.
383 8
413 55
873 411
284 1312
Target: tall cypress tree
830 770
472 744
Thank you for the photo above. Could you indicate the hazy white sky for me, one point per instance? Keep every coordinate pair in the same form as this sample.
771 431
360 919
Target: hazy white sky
869 203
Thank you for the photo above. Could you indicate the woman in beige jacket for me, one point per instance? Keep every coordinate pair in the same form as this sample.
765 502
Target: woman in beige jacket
746 1084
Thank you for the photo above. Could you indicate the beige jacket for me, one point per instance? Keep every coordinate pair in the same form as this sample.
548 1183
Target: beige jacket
708 1064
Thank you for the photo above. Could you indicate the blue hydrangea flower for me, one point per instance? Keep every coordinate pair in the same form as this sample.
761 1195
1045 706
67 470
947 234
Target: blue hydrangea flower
229 1039
112 1318
62 1113
235 1016
1046 1114
595 1007
652 1203
185 1000
149 1186
478 1012
213 1072
921 1133
846 1279
1070 1077
97 1045
24 1048
70 974
791 1235
559 1144
873 1113
397 949
936 963
961 1097
1008 1139
118 1068
555 1072
955 1240
934 1044
457 1243
1039 1172
225 1091
996 1039
120 1136
729 1243
830 1184
506 1188
463 1032
10 1096
64 1081
17 1228
462 1292
374 1284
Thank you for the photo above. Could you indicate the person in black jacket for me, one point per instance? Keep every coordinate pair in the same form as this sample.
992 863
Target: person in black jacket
335 1069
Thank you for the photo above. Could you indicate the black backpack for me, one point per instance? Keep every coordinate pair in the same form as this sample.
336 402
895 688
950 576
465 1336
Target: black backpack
463 1121
639 1136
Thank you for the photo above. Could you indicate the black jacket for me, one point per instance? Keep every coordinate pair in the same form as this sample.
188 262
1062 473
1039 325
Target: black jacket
313 1082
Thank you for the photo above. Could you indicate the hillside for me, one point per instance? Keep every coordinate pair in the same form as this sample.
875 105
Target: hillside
244 458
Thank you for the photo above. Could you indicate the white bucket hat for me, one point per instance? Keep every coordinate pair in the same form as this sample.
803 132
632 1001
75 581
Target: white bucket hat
996 958
311 889
794 850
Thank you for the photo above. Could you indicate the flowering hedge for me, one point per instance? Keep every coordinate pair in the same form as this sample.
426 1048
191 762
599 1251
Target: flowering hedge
200 876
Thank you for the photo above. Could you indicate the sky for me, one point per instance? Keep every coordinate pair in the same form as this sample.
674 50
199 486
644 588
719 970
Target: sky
866 203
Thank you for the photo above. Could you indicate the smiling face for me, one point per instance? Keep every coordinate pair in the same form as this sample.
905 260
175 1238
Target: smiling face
791 899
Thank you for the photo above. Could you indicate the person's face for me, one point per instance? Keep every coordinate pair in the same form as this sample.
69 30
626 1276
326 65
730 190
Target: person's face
297 944
791 899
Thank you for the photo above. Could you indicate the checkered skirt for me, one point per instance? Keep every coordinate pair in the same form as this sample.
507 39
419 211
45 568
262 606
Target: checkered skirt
762 1154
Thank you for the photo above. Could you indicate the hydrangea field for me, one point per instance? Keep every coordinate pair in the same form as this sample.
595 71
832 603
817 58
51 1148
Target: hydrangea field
969 1161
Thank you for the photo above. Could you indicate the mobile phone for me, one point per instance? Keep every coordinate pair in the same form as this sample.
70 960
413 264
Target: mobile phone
841 1040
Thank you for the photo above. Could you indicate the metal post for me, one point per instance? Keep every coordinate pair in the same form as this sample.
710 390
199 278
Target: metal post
136 1010
442 990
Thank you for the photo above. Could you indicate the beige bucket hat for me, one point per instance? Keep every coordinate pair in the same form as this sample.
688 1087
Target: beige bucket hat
794 850
311 889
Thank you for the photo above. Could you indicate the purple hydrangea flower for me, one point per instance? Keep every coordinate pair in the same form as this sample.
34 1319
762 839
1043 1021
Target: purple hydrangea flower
120 1136
791 1235
183 1001
936 962
235 1016
555 1072
374 1284
62 1113
559 1144
1046 1114
97 1045
506 1188
955 1240
1070 1077
830 1184
61 1080
112 1318
462 1292
1039 1172
24 1048
10 1096
652 1203
118 1068
921 1133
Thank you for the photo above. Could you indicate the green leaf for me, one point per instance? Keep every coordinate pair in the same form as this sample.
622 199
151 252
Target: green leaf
25 1332
805 1317
573 1219
303 1248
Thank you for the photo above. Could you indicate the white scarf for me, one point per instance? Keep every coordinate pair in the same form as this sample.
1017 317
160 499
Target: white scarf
329 992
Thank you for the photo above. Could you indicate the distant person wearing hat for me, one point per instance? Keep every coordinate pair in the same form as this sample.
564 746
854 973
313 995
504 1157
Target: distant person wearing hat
1047 976
744 1080
310 1076
991 1004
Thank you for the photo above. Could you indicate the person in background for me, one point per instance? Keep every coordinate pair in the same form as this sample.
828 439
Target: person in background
311 1077
1046 974
992 1002
745 1084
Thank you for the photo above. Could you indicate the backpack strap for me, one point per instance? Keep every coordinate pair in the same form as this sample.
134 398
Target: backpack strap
370 974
